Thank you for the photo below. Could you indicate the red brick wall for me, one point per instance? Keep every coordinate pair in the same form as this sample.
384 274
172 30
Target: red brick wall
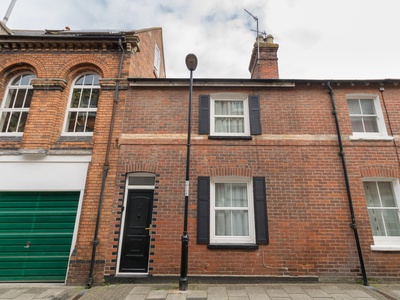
56 69
143 62
308 210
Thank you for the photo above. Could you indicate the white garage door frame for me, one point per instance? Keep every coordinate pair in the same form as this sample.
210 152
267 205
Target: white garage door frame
46 173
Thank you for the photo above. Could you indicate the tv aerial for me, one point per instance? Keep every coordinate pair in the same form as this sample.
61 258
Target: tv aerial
257 31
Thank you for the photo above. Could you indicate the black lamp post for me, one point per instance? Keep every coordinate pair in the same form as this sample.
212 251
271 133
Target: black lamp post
191 64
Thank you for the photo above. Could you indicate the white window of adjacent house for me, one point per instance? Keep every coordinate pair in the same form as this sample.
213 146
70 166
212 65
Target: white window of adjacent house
229 115
16 104
366 117
157 60
231 211
82 107
383 209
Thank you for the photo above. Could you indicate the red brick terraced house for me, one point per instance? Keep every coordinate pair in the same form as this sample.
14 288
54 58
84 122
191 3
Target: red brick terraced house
289 178
59 90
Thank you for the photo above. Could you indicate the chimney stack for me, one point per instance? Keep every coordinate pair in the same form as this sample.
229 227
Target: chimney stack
264 59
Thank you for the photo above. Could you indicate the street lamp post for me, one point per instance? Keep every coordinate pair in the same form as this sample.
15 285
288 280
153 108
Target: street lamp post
191 64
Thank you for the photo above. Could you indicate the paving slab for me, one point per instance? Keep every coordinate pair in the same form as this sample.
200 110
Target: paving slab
277 293
259 297
306 291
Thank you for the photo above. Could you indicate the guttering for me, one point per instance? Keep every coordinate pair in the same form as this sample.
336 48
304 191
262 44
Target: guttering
256 83
106 167
353 223
210 82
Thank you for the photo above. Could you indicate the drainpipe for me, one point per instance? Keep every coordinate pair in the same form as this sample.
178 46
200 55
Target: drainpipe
106 167
353 224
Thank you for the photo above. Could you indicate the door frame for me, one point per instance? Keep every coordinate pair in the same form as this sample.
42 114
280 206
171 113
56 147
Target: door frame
129 187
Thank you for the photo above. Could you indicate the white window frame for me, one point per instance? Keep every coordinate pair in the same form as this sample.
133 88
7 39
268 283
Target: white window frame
11 110
387 243
157 60
230 97
229 240
78 110
382 132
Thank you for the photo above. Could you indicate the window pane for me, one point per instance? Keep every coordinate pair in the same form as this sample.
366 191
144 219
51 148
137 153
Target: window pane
26 79
240 223
96 79
392 222
221 107
95 98
19 100
80 81
5 117
223 195
90 122
221 125
236 108
12 127
28 99
80 122
10 98
239 195
370 124
231 223
230 195
236 125
76 95
354 106
356 124
376 220
141 180
22 121
85 98
71 122
223 223
367 106
88 80
372 195
385 190
16 81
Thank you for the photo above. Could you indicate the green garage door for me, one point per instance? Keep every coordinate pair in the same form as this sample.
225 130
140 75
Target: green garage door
36 231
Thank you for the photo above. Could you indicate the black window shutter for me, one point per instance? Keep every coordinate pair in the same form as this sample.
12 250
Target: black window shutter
255 117
203 210
260 210
204 114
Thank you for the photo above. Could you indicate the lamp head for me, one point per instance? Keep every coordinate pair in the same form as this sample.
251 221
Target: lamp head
191 62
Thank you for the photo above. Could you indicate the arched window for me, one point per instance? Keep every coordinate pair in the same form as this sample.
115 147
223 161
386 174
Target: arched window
16 103
82 107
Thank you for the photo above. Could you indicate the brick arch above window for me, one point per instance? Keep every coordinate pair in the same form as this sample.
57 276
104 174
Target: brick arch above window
141 166
17 64
76 71
379 172
243 172
13 70
75 66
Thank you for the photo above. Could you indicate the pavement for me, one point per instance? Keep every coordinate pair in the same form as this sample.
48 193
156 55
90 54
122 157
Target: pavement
275 291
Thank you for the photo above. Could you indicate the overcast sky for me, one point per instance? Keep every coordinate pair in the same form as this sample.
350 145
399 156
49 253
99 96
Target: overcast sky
318 39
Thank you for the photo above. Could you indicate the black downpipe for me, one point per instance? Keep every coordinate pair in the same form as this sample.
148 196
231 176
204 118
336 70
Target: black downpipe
106 167
353 224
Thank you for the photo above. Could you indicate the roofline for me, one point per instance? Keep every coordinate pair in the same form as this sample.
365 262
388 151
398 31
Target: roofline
62 37
147 29
245 82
